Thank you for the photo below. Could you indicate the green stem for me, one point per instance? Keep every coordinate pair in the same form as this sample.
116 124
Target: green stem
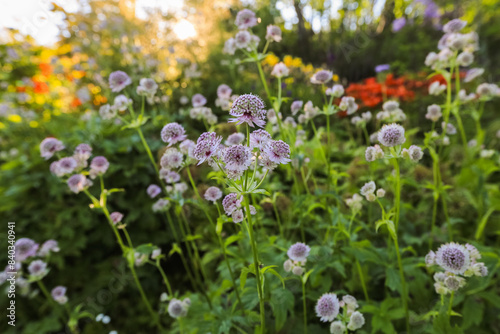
304 304
404 294
256 265
165 279
362 280
450 305
264 83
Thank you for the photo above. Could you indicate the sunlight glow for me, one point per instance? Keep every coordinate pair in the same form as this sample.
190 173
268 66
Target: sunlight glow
184 30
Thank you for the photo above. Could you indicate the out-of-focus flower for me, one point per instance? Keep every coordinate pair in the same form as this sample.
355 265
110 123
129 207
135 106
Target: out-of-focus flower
280 70
391 135
321 77
273 33
118 81
173 133
327 307
49 146
398 24
245 19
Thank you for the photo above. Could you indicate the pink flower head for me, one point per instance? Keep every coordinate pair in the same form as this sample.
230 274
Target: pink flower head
153 190
118 81
248 109
206 146
77 183
224 91
237 157
213 194
278 152
245 19
231 203
259 138
198 100
273 33
49 146
173 133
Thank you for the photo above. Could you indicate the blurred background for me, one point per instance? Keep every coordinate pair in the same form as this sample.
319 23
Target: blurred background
55 58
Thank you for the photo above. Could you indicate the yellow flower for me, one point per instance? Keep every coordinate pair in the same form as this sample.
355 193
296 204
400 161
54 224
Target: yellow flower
271 59
288 60
14 118
2 126
34 124
289 80
297 62
335 77
39 99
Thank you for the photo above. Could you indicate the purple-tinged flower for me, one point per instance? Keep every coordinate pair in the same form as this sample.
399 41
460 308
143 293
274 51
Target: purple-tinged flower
153 190
229 46
237 216
237 157
382 68
156 253
25 248
187 147
321 77
431 59
160 205
83 150
277 151
259 138
430 259
147 87
298 252
454 26
273 33
118 81
198 100
37 268
171 176
242 39
415 153
245 19
98 166
78 182
213 194
224 91
121 103
248 109
433 112
453 258
335 91
173 133
177 309
473 73
49 146
206 146
59 294
231 202
116 217
235 139
296 106
465 58
348 103
398 24
66 166
280 70
171 159
47 247
327 307
391 135
107 112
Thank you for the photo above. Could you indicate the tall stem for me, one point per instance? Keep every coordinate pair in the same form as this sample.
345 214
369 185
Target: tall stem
404 294
304 304
263 79
256 265
450 305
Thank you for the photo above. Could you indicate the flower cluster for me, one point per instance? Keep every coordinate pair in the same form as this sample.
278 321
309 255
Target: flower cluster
457 261
244 39
370 191
297 258
328 309
177 308
232 207
391 113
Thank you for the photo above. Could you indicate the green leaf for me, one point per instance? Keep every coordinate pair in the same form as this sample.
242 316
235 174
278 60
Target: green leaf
145 249
243 277
275 273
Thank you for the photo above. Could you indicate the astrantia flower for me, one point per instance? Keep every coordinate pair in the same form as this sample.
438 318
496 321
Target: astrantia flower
235 139
37 268
245 19
59 294
98 166
473 73
77 183
147 87
49 146
415 153
213 194
106 112
171 159
173 133
47 247
277 151
169 176
237 157
337 327
25 248
280 70
296 106
430 258
116 217
237 216
248 109
121 103
380 193
391 135
231 202
465 59
356 321
66 165
118 81
229 47
187 147
259 138
224 91
273 33
288 265
153 190
298 270
454 26
83 150
433 112
348 103
335 91
156 253
453 258
177 309
436 88
242 39
368 188
321 77
449 128
198 100
160 205
327 307
298 252
206 146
